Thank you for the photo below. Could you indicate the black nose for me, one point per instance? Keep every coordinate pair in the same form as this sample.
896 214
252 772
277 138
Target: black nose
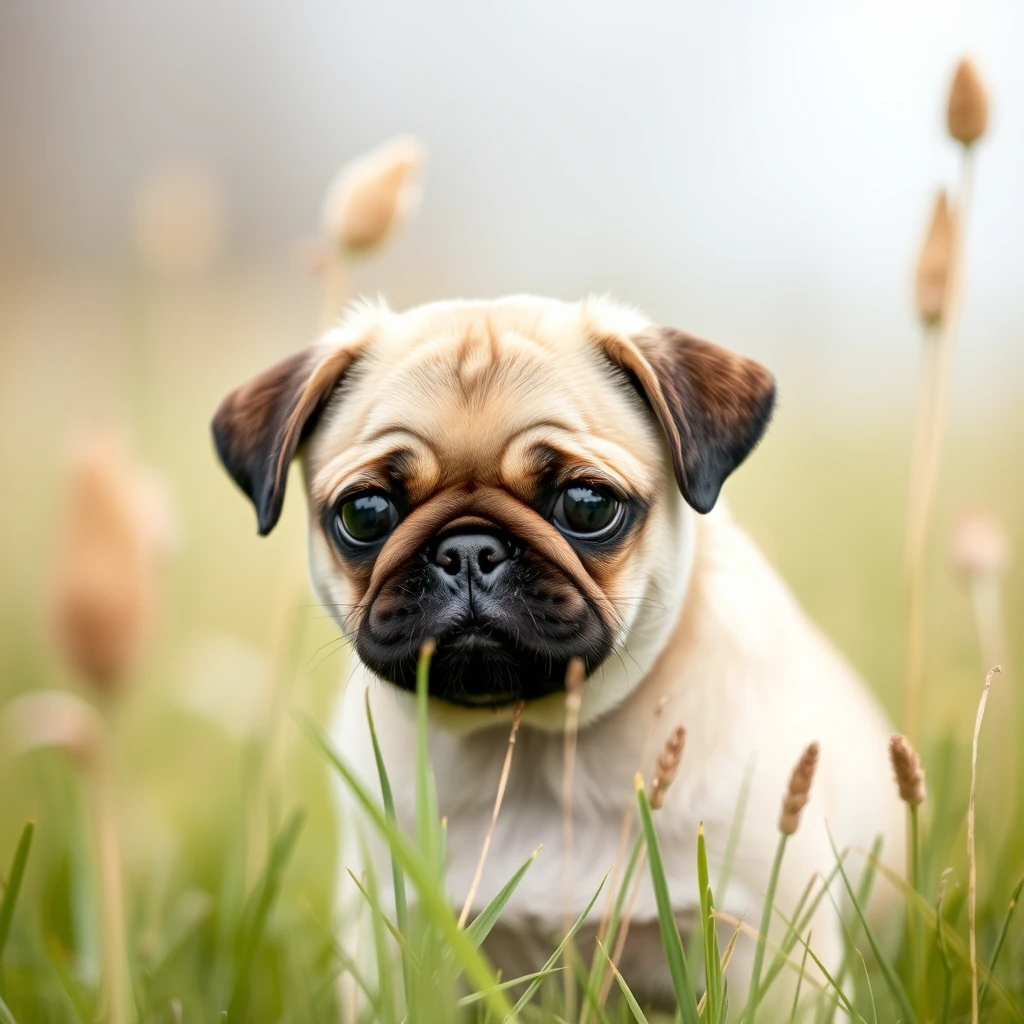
471 552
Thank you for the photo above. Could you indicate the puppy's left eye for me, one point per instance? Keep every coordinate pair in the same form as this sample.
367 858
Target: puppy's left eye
585 510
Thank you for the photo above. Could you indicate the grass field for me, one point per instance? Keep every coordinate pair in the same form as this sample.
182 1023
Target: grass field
228 907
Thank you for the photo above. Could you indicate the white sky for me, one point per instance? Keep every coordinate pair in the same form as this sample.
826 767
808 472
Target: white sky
756 172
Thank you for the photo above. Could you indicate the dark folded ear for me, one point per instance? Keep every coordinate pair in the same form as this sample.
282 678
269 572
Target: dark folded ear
259 426
712 405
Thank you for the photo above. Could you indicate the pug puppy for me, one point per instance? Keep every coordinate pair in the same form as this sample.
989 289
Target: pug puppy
529 482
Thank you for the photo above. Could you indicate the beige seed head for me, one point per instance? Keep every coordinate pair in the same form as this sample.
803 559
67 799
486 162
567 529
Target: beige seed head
52 719
667 766
906 765
372 195
799 790
180 221
105 580
575 675
931 280
980 547
967 112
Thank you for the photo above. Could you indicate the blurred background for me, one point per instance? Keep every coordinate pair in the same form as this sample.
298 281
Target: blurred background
761 175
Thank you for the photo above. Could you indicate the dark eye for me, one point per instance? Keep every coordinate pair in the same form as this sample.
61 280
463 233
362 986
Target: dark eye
583 510
366 518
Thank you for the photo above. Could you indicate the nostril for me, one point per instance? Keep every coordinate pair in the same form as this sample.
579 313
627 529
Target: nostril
489 558
448 559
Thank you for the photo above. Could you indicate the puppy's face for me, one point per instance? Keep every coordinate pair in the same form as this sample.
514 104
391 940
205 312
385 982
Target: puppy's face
503 478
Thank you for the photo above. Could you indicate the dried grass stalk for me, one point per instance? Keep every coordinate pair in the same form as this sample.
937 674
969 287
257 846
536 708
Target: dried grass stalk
967 110
620 861
625 830
799 791
575 676
931 279
906 765
980 546
666 769
369 199
972 864
623 934
502 783
105 581
53 719
667 766
937 379
372 195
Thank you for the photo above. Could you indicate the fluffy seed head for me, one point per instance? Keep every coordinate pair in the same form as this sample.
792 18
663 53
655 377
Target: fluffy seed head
933 264
105 581
372 195
180 220
52 719
668 765
967 112
980 547
799 790
906 765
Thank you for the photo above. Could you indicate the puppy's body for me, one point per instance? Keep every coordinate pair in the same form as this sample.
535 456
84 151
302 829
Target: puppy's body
753 680
468 430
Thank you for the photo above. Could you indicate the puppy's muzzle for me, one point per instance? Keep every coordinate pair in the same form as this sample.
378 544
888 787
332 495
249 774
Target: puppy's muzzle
508 614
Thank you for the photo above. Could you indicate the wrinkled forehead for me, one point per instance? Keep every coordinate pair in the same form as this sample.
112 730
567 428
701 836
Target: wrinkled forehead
474 398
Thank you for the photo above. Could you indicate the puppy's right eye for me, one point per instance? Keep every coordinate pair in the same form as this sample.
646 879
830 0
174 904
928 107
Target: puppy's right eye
366 518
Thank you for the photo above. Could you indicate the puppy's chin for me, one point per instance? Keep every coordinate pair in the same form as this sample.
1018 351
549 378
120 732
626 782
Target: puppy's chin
477 669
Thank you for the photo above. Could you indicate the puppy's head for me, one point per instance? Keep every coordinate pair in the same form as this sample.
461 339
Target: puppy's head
502 477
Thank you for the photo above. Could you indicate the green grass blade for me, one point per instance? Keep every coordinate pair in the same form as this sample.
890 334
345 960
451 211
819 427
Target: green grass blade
379 928
599 968
723 963
803 914
1014 899
349 965
892 981
766 920
951 939
280 854
366 891
397 878
525 998
426 798
634 1006
418 870
6 1017
590 994
940 942
713 983
13 886
670 938
864 890
476 997
481 925
840 994
800 980
871 991
735 832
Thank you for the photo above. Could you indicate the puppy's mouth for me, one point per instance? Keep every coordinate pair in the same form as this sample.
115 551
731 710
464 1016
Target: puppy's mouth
506 621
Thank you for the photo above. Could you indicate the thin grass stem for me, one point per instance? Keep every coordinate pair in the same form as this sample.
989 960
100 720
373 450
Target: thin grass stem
766 920
502 783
